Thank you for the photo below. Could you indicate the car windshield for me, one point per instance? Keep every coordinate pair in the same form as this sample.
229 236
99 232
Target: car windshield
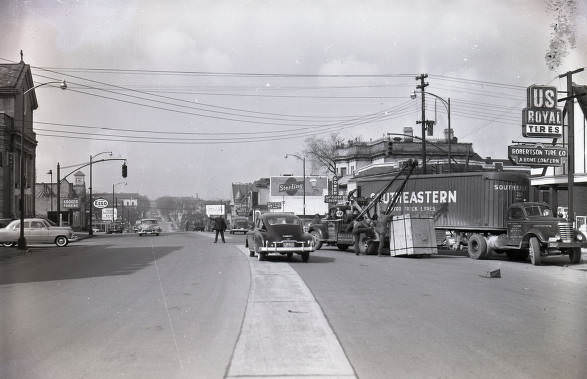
538 210
283 220
150 222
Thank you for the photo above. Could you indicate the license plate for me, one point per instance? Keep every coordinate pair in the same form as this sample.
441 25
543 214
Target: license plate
289 244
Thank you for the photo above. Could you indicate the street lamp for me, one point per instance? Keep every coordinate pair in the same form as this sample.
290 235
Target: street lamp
447 106
113 204
303 159
91 231
50 172
21 239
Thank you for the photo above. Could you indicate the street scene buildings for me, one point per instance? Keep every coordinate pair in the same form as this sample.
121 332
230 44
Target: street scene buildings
293 189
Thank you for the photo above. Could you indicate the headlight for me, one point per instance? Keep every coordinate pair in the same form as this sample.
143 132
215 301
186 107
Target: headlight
580 236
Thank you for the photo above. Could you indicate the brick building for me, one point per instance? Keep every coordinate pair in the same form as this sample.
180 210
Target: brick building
14 80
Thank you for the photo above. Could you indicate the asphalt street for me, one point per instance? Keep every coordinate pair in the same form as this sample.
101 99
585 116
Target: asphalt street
180 306
122 306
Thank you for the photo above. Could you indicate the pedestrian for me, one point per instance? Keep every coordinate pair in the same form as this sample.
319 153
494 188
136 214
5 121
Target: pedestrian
360 225
381 228
219 227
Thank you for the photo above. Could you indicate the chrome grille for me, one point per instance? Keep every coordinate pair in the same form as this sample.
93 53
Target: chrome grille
565 230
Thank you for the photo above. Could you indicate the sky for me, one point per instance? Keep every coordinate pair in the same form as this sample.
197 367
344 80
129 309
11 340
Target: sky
336 66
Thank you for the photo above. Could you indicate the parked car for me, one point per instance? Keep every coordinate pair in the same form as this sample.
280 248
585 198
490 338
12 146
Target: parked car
279 233
240 225
149 226
5 221
36 230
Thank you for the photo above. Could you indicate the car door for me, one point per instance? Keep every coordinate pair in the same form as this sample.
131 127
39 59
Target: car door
35 231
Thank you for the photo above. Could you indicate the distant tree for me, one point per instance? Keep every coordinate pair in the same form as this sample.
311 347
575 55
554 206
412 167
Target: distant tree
322 151
562 36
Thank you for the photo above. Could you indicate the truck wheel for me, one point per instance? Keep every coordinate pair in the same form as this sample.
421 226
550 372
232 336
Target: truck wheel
317 242
575 255
342 246
534 251
305 256
477 247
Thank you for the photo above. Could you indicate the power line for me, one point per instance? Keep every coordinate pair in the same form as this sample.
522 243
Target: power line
115 138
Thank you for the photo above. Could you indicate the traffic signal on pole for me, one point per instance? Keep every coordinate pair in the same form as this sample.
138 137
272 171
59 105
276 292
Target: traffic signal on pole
124 170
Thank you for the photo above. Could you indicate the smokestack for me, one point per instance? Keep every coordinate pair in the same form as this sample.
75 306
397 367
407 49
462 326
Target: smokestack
409 134
448 137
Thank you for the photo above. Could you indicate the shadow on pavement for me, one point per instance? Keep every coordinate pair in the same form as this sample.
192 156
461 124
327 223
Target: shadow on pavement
68 263
297 259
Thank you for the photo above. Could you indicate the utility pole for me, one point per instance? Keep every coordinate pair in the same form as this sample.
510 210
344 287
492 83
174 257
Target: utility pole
421 87
570 104
50 172
59 193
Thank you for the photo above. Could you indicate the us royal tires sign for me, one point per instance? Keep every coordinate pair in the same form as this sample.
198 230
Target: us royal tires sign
541 118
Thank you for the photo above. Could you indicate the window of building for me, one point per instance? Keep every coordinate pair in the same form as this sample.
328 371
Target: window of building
342 171
352 170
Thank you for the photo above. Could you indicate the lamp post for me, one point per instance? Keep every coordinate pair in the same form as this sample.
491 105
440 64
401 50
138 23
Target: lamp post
113 201
446 104
50 172
21 239
303 159
91 231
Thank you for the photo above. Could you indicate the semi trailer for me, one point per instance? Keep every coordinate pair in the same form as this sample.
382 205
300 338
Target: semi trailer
484 210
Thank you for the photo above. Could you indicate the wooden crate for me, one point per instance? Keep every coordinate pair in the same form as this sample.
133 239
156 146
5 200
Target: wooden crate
412 236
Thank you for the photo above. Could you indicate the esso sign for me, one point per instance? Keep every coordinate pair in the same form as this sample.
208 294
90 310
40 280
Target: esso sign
100 203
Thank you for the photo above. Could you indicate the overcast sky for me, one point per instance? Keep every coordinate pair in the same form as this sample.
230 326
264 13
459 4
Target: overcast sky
493 41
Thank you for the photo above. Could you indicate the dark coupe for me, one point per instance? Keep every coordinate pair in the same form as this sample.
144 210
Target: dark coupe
279 233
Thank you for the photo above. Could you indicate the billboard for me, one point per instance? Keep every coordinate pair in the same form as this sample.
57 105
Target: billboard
537 155
107 214
215 210
294 185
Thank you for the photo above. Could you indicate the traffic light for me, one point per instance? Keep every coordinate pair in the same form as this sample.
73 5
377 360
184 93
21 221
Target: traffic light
124 170
389 148
430 128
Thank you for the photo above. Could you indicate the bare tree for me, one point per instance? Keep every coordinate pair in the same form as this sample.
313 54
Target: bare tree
562 37
322 151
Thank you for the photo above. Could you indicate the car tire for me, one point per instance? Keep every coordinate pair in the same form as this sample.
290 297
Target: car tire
305 256
534 250
317 242
8 244
477 247
342 246
575 255
260 255
61 241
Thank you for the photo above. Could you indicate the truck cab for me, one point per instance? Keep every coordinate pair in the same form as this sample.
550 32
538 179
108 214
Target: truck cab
533 230
333 230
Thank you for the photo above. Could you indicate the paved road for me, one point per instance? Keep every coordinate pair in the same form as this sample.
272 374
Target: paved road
437 318
179 306
122 306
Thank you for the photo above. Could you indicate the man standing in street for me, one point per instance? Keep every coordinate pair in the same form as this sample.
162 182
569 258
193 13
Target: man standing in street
219 227
360 225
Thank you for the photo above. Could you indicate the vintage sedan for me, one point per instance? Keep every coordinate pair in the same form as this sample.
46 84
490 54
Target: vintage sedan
149 226
279 233
36 230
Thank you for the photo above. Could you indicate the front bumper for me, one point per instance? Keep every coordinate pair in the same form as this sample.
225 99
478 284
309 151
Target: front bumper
279 249
149 231
566 245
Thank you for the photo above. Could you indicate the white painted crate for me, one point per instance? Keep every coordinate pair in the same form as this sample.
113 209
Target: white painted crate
412 236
